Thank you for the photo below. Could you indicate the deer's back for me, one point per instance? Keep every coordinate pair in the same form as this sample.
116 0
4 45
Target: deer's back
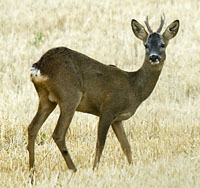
97 82
89 71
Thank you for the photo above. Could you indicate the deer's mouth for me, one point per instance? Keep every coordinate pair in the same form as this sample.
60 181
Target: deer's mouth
155 62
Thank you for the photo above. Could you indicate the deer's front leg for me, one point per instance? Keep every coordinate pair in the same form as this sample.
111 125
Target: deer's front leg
104 123
121 136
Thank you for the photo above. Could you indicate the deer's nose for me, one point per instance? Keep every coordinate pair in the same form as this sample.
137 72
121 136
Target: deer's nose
154 58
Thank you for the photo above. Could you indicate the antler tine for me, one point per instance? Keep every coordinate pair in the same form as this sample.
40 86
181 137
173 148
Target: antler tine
161 23
147 24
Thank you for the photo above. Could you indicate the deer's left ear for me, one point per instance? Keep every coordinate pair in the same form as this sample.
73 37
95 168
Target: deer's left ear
171 30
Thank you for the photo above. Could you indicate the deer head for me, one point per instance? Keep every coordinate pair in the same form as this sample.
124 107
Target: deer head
155 43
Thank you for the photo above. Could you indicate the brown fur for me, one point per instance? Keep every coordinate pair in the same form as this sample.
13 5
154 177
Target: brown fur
77 82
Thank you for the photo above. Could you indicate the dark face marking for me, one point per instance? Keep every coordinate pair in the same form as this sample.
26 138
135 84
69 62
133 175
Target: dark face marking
155 48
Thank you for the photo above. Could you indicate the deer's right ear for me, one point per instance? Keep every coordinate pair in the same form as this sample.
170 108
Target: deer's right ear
139 30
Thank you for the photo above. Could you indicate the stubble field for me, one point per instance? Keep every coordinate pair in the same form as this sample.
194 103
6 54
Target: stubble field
164 133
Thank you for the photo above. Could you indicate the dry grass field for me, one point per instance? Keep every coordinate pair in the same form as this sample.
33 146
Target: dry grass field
164 133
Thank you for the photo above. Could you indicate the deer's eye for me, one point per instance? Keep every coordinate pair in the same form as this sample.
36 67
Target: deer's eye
162 45
146 46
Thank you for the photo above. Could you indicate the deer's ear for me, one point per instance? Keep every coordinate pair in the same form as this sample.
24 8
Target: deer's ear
171 30
139 30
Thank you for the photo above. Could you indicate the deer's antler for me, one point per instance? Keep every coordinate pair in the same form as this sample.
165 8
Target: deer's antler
161 23
147 24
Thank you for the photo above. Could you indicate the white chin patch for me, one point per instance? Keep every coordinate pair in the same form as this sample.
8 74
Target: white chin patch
155 62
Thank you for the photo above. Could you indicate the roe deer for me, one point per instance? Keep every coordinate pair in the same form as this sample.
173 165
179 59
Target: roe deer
77 82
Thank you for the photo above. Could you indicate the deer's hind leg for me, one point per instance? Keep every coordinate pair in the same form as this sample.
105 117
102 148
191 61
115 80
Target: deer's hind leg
69 97
44 109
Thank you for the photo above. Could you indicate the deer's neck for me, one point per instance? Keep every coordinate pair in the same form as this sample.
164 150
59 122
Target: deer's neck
146 79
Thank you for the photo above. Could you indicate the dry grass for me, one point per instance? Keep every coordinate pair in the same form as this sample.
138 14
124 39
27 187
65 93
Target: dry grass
164 133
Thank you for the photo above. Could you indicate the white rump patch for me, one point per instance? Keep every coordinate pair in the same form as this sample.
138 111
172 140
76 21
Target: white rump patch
36 75
35 72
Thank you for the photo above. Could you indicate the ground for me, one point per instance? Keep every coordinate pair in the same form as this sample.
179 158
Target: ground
164 134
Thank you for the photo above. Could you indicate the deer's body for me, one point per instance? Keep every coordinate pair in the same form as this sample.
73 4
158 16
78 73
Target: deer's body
91 79
77 82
